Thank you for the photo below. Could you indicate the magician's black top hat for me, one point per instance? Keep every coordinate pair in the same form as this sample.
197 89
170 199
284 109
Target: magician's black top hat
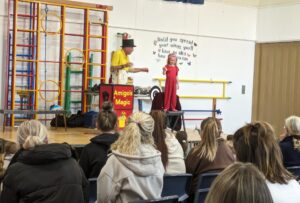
128 43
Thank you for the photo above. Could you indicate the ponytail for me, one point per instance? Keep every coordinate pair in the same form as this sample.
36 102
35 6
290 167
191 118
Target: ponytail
107 118
32 141
32 133
138 131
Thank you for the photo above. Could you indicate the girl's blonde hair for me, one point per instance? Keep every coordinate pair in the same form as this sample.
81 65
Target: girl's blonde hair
210 133
239 182
138 131
32 133
170 56
292 125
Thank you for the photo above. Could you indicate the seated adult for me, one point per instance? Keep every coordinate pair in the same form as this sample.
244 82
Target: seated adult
171 151
42 172
290 144
256 143
134 171
94 155
211 154
239 183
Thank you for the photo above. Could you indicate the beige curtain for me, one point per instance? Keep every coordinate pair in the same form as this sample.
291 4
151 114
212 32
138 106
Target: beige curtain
276 93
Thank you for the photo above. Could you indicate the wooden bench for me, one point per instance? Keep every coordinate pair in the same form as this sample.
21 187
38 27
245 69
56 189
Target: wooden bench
5 112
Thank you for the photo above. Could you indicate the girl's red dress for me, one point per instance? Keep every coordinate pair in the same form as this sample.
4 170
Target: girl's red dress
170 87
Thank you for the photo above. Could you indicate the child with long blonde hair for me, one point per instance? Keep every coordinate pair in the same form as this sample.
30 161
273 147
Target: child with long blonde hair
211 154
42 172
171 85
134 165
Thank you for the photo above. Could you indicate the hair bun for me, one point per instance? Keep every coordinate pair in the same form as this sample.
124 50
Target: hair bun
107 106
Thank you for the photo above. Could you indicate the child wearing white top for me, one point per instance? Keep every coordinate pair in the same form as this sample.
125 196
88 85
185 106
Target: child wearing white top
256 143
283 193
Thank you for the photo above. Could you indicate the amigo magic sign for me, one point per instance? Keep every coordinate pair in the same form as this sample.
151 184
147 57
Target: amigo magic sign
123 97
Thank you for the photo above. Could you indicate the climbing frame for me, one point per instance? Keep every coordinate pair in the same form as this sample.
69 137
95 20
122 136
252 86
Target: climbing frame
41 35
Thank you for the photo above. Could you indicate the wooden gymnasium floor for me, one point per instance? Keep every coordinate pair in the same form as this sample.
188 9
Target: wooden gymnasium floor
77 136
73 136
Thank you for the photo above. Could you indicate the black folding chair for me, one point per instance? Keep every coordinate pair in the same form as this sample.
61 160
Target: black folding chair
177 184
295 170
168 199
204 182
92 190
202 193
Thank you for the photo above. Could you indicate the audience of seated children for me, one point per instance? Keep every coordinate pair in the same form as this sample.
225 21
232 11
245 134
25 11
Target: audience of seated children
145 150
171 151
256 143
239 183
94 155
42 172
290 144
211 154
134 170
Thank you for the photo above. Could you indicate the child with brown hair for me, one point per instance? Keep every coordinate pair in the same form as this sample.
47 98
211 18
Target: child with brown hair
171 151
256 143
94 155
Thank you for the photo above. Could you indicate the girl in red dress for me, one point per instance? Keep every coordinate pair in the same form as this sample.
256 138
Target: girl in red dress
171 72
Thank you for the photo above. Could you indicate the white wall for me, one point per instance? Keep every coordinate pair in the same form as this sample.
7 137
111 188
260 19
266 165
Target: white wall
225 37
278 23
210 19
